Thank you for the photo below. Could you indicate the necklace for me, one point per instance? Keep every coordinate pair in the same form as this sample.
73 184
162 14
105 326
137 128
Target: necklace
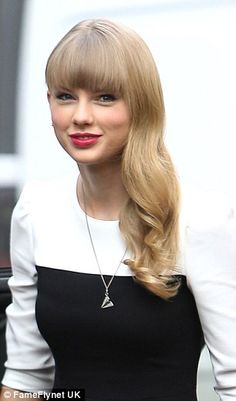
107 302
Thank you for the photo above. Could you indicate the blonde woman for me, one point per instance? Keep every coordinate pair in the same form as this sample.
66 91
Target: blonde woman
116 283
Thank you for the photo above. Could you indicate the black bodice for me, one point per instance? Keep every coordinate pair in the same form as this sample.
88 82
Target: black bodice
142 349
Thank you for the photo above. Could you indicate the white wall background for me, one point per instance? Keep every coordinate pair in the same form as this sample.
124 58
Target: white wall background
194 45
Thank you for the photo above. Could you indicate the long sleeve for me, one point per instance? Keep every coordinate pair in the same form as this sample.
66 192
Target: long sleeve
210 264
29 364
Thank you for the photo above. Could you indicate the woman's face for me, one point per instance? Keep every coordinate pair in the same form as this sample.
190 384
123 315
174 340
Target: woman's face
91 127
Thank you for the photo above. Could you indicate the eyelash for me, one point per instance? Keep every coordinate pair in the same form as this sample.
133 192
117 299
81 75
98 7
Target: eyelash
107 98
103 98
64 96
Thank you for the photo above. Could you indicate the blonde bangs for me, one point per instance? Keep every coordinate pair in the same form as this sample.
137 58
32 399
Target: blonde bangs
87 62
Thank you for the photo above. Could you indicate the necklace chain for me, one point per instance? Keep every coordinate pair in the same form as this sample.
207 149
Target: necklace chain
107 301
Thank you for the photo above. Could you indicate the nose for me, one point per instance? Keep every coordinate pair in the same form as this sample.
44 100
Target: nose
82 114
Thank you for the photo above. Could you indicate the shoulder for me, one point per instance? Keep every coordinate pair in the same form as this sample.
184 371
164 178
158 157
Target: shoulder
204 209
208 233
42 193
41 201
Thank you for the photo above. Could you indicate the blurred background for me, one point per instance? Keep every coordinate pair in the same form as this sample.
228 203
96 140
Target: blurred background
193 43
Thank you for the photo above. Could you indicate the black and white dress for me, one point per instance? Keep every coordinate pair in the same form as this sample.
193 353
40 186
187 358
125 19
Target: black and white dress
143 348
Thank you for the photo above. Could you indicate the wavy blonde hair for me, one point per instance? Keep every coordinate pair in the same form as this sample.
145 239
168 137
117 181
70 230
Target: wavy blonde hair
102 55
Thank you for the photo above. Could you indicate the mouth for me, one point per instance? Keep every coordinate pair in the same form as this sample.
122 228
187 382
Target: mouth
85 135
84 140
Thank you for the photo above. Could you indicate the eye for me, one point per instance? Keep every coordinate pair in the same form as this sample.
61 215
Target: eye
64 96
106 98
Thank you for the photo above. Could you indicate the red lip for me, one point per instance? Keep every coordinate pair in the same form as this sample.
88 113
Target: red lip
84 140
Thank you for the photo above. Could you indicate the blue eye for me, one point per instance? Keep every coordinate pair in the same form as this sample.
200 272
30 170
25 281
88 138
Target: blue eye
107 98
64 96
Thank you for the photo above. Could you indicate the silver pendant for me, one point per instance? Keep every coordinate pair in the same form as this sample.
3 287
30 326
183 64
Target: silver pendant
107 303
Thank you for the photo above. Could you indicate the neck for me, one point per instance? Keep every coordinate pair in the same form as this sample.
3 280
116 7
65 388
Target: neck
101 192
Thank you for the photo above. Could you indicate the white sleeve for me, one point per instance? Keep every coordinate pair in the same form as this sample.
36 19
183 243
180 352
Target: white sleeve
210 264
29 365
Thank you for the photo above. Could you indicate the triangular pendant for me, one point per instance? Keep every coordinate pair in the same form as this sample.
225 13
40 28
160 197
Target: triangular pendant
107 303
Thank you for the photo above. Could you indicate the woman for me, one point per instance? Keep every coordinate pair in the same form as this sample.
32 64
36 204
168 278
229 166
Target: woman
116 285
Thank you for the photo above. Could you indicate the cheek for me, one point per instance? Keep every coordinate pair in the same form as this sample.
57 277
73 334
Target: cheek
118 121
59 119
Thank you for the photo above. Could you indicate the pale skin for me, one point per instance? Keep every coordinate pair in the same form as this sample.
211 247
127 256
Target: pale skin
106 115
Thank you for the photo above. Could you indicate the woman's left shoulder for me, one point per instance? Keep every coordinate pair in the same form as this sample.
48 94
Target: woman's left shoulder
208 232
205 209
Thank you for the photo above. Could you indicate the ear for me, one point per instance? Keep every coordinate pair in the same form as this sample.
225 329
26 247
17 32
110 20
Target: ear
49 96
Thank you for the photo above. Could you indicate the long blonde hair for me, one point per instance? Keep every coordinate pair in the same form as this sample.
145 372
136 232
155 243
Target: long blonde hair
103 55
